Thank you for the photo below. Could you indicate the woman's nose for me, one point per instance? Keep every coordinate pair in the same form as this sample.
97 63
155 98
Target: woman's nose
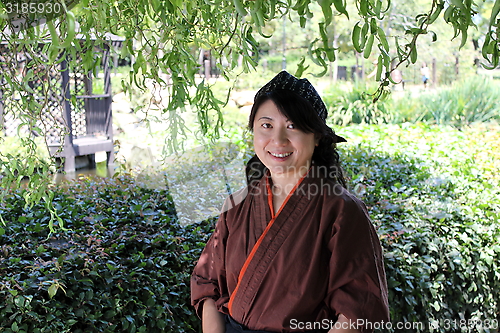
280 137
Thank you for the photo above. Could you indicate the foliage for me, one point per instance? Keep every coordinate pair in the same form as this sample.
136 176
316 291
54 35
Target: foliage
15 147
434 201
471 100
355 106
468 101
164 39
123 265
31 165
125 261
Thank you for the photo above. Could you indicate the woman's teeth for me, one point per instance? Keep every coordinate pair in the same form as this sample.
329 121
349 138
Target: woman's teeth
280 155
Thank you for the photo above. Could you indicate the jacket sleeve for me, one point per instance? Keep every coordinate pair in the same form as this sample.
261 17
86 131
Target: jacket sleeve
357 283
208 279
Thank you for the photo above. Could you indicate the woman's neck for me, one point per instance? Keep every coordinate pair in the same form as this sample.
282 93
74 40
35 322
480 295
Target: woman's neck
283 183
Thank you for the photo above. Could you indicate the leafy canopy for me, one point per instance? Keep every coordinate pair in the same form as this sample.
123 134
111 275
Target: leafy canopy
164 38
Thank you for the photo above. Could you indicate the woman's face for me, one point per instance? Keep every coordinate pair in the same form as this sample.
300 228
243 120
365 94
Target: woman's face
284 149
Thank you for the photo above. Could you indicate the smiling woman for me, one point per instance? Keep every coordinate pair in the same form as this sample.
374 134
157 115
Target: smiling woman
283 148
300 105
294 245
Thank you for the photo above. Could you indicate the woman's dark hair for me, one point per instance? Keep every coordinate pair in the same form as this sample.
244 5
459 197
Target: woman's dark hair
305 118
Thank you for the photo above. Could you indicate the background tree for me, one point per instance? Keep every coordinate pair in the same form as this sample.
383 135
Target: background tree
160 37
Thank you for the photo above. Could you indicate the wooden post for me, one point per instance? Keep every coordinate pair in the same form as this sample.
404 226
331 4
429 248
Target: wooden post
109 102
68 151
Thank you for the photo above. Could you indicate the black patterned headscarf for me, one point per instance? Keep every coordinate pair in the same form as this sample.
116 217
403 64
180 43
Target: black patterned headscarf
302 87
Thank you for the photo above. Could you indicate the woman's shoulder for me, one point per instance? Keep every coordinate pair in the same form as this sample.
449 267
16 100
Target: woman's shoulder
336 196
329 189
235 199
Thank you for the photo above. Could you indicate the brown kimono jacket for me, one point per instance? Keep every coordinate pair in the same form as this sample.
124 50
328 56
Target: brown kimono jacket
317 258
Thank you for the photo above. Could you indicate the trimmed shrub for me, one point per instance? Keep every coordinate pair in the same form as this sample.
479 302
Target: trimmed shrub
434 201
442 261
123 265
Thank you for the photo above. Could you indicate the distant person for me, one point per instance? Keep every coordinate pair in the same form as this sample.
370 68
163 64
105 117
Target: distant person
295 251
424 71
206 64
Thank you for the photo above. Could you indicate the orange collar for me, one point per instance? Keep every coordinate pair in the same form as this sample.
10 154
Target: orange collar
270 193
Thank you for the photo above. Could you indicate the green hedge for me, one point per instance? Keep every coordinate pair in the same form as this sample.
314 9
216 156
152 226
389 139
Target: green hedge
433 194
124 263
442 261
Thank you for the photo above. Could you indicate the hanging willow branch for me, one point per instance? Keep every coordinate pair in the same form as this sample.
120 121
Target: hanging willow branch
160 36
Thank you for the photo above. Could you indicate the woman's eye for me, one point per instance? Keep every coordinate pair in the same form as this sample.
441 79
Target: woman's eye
291 126
266 125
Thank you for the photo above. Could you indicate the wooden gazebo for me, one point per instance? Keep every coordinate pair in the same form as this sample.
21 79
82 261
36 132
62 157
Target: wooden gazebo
76 118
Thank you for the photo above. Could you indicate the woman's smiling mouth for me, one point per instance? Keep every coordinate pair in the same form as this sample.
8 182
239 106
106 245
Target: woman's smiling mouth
281 155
